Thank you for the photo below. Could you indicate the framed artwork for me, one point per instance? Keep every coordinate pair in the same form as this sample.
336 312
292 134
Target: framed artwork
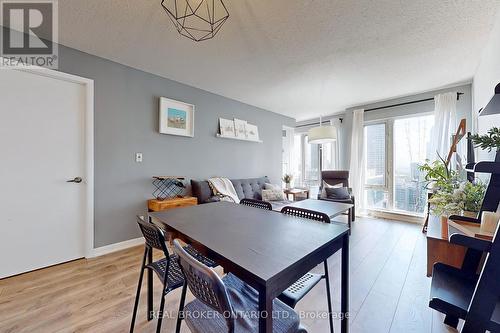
252 132
226 128
240 127
176 118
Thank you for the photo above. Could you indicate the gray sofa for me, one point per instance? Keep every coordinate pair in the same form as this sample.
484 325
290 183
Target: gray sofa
250 188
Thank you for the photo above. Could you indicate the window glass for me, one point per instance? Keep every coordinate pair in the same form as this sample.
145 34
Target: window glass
411 144
375 159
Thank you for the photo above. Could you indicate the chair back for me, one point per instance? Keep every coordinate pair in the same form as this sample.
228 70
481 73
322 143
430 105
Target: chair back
487 293
256 204
205 284
306 213
335 177
153 236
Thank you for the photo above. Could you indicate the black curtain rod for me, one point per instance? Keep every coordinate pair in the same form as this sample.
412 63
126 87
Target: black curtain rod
407 103
380 108
317 123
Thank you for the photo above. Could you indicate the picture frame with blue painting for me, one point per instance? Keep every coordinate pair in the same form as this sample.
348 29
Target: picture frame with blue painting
176 117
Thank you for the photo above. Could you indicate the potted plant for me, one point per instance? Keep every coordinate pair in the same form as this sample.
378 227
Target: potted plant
287 179
473 195
439 176
465 199
488 141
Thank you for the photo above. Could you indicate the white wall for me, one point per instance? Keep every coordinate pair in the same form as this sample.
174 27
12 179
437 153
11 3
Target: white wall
486 78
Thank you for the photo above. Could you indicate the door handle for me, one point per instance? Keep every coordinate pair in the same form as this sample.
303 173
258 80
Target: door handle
75 180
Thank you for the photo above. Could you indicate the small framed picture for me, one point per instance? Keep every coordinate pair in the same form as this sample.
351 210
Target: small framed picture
252 132
176 118
240 127
226 128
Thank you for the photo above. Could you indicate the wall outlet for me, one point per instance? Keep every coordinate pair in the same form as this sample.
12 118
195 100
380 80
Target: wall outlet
138 157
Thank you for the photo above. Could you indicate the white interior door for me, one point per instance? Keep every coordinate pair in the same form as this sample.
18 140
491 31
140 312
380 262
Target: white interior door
42 141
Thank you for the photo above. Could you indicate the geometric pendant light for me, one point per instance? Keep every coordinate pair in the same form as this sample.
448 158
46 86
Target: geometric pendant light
196 19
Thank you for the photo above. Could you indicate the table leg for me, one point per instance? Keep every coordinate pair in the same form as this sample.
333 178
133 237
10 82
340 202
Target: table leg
349 218
150 287
265 312
344 290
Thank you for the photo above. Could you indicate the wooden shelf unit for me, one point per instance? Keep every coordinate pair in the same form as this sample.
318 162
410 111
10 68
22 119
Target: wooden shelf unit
155 205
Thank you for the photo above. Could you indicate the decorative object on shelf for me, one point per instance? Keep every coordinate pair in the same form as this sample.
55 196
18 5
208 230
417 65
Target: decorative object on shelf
168 187
252 132
197 20
226 128
176 118
287 179
322 134
488 141
240 127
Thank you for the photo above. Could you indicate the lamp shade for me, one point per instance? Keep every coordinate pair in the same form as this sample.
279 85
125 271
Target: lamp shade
322 134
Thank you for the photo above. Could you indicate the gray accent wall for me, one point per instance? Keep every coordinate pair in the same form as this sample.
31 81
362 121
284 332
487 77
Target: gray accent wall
126 122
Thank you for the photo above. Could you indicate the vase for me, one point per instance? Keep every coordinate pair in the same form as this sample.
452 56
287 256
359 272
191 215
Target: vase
468 213
287 185
444 226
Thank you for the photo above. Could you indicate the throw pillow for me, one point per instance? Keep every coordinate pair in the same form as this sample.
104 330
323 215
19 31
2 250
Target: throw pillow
275 187
326 185
273 195
339 193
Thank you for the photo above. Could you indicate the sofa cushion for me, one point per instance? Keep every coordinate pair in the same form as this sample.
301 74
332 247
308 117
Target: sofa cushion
202 191
250 188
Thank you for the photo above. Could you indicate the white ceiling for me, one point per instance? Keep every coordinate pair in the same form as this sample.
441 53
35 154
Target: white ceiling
300 58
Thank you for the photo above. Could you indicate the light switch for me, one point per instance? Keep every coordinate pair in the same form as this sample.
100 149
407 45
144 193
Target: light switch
138 157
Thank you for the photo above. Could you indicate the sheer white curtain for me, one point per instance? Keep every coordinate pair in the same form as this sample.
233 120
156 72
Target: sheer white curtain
356 166
445 124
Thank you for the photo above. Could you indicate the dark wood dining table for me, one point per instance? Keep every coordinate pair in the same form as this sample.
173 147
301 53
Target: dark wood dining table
266 249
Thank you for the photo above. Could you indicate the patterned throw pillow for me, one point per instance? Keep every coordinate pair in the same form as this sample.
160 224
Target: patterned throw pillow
273 195
269 186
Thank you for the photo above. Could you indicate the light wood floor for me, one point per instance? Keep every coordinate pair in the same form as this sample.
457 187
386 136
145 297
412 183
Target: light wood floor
389 290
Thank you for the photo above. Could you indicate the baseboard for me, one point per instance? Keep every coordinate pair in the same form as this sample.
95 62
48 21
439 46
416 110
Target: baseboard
100 251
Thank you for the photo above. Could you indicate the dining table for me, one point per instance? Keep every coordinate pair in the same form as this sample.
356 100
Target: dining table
267 250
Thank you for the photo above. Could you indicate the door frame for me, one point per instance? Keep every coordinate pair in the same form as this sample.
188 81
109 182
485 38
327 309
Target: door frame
88 144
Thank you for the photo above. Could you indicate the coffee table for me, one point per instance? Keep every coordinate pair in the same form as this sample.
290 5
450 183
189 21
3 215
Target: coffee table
330 208
294 191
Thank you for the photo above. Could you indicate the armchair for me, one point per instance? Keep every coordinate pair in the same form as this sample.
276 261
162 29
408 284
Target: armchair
336 177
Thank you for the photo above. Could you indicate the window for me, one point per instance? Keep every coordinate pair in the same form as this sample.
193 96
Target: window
411 142
376 194
375 154
311 162
309 159
393 151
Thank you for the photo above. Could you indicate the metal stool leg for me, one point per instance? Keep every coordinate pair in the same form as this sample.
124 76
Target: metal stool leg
162 303
138 293
328 294
180 314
